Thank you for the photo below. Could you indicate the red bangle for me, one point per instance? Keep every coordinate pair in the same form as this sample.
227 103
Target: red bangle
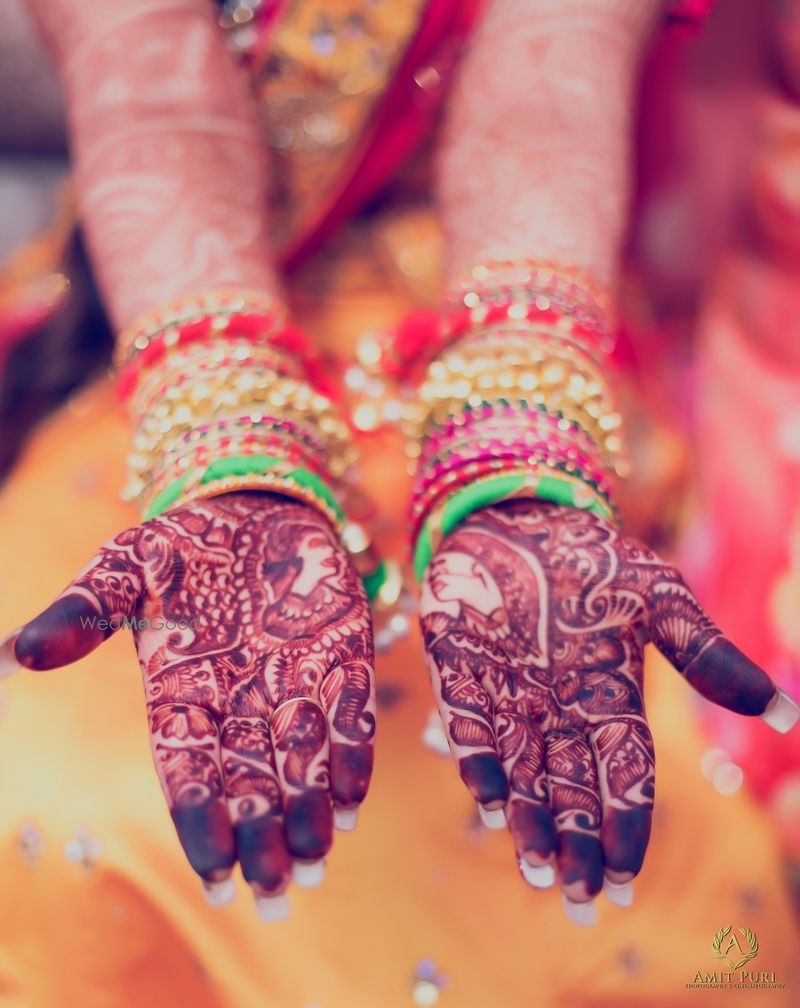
423 334
252 328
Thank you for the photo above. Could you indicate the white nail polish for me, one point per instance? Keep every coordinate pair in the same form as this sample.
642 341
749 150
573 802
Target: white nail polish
8 662
584 914
345 819
219 893
308 876
618 893
539 876
272 908
492 818
782 712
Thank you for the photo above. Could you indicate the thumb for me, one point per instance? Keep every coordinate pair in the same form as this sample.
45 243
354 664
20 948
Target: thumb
89 610
684 633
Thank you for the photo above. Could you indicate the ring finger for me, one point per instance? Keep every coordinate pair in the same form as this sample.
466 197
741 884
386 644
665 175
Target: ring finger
575 803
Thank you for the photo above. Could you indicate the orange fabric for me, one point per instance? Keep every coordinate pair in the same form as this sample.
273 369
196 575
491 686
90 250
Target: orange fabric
418 879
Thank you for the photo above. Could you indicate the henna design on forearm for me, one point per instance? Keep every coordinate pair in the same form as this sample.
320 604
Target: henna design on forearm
535 153
171 165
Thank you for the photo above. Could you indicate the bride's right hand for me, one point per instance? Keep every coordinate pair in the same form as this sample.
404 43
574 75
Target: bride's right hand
255 643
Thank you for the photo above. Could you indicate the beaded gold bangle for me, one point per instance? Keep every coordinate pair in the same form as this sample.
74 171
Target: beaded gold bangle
219 302
550 284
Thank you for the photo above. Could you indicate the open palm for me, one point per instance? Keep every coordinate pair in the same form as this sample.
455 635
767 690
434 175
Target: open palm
255 642
534 619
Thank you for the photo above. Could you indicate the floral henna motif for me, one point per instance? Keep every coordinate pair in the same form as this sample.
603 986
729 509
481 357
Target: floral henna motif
534 618
255 642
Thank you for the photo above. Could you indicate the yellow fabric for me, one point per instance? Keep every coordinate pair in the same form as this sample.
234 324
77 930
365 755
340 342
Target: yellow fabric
417 880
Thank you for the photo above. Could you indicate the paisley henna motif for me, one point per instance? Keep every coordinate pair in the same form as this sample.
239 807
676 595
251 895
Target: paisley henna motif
534 618
255 643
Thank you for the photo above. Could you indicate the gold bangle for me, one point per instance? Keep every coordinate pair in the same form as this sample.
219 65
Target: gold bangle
199 363
531 280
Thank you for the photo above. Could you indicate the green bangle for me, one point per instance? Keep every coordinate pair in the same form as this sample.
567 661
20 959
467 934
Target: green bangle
246 465
561 489
167 497
374 581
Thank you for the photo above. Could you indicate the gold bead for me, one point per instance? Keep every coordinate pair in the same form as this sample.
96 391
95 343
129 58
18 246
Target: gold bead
368 351
518 311
610 421
354 538
613 443
365 417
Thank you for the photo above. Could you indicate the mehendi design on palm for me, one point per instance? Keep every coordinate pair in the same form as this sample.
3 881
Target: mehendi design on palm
255 643
534 620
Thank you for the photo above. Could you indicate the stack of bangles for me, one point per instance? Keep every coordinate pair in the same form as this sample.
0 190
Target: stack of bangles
514 402
223 395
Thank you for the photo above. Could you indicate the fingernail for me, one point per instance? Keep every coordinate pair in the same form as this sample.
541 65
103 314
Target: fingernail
492 818
345 819
308 876
580 913
539 876
782 712
8 659
618 893
219 893
272 908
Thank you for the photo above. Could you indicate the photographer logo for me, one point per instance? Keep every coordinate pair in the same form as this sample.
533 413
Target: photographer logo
735 947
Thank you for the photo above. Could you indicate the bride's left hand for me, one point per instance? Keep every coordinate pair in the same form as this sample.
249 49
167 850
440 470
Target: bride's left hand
534 620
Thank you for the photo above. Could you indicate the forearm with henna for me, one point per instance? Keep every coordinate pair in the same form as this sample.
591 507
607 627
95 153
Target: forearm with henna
534 163
171 168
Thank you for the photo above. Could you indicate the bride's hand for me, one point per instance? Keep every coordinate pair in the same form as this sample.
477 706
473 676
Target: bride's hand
534 618
255 642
